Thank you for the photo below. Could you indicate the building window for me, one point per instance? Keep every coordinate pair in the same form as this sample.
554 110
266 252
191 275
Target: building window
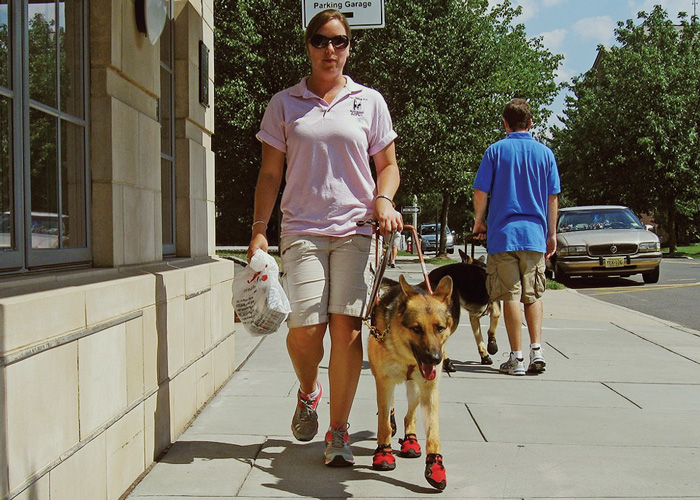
43 146
167 135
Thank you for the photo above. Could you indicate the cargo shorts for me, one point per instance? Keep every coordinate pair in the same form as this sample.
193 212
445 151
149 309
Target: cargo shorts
516 276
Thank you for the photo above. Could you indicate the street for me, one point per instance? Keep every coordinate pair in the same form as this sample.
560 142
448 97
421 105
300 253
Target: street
674 298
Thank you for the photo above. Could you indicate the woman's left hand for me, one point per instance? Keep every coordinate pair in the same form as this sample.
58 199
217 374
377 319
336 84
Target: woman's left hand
388 218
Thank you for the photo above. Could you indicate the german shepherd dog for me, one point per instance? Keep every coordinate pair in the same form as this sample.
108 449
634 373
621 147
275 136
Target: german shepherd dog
410 328
469 291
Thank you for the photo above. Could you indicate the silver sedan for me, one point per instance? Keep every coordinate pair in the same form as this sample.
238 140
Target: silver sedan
604 240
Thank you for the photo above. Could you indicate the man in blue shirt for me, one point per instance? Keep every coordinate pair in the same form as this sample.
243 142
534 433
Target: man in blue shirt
520 174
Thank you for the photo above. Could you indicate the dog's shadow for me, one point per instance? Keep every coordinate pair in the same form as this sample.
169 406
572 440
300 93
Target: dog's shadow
297 468
472 367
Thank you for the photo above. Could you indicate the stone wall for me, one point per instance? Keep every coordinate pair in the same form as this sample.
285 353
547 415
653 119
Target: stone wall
101 368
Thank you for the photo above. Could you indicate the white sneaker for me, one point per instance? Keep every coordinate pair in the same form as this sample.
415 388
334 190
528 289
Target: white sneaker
537 362
514 366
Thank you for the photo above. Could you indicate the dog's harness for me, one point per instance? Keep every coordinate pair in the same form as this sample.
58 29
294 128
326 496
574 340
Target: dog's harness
380 268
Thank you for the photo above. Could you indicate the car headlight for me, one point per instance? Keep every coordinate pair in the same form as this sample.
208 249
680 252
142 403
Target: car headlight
573 250
650 246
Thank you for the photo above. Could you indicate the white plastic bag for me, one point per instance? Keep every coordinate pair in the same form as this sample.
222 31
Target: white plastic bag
258 297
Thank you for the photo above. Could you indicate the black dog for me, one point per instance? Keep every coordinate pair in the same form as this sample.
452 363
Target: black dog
469 292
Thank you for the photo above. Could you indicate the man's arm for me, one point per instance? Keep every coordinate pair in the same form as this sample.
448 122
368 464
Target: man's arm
481 201
552 213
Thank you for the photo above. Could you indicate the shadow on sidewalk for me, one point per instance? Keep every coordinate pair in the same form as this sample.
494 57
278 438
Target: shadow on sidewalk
297 468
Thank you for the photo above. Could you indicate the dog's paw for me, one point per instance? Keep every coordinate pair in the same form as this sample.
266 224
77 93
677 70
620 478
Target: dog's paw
435 471
384 458
410 447
486 360
492 345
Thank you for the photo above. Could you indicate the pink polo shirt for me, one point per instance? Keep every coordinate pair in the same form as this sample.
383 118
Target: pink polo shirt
328 146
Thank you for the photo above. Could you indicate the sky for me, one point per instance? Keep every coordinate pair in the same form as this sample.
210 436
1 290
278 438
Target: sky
575 28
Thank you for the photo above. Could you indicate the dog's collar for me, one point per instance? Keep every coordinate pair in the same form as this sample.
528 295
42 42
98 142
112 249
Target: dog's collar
376 332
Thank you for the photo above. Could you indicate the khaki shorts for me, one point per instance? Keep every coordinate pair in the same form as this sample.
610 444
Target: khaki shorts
325 275
516 276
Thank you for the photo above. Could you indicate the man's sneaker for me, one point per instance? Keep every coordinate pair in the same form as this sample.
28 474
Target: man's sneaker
305 421
337 453
537 363
514 366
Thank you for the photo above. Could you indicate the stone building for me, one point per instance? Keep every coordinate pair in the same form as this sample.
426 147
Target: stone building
116 318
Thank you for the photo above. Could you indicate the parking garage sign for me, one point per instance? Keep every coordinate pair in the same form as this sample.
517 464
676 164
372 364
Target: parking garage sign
360 15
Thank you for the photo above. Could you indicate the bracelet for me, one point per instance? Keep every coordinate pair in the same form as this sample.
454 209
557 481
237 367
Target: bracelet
258 222
386 198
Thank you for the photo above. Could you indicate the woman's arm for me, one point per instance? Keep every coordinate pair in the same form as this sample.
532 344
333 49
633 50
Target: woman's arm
266 190
388 179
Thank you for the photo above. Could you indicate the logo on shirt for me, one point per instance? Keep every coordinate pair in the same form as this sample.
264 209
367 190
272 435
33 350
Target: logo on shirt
357 107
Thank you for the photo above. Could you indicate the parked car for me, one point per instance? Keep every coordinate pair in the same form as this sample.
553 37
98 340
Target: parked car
45 227
429 234
604 240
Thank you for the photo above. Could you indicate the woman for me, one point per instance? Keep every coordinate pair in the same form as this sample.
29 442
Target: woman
326 128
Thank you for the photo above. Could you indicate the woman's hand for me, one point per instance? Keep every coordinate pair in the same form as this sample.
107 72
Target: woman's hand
258 241
388 218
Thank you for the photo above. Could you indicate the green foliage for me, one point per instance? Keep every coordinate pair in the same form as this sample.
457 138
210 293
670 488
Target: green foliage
692 251
259 48
447 69
632 127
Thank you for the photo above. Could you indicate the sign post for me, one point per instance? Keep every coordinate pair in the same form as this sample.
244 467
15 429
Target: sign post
414 211
366 14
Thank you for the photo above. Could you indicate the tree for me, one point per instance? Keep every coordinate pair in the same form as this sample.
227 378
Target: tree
259 48
631 130
5 123
446 70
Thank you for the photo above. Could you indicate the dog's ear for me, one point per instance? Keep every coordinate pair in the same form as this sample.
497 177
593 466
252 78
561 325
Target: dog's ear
408 290
443 291
465 258
463 255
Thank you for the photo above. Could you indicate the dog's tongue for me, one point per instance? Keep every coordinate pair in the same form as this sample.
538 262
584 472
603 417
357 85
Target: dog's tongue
429 372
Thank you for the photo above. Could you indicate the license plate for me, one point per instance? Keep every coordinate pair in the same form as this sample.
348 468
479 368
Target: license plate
614 261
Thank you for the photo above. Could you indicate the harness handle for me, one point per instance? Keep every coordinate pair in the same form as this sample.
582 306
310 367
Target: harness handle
381 266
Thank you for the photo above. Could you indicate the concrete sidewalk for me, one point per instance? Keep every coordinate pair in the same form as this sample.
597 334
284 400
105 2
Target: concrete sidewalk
616 415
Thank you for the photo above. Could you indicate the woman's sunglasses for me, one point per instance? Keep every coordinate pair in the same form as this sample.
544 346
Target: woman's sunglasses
321 42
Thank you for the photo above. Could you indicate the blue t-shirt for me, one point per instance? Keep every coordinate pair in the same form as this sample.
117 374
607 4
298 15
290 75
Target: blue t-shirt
520 174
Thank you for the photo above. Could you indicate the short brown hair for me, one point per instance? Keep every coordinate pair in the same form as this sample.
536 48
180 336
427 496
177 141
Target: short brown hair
322 18
517 114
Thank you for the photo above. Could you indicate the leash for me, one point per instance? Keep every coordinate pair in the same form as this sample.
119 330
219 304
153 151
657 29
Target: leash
380 268
478 239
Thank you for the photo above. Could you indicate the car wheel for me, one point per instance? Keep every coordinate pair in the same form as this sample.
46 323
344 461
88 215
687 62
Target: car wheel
560 276
450 250
652 276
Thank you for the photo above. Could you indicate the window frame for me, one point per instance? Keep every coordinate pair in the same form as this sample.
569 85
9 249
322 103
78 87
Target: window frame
169 249
24 258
